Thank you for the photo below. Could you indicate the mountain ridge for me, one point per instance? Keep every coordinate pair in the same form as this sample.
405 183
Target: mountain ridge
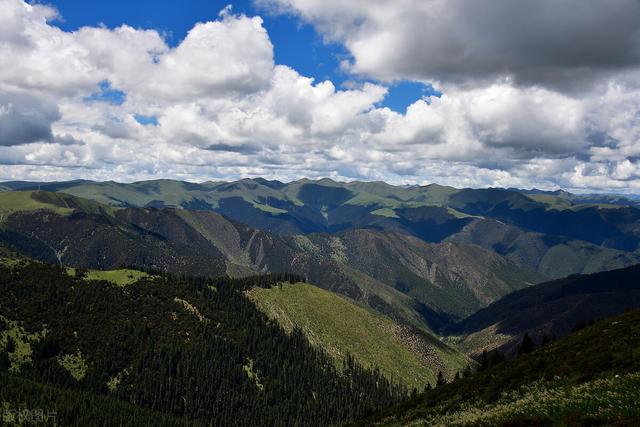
532 228
400 275
550 309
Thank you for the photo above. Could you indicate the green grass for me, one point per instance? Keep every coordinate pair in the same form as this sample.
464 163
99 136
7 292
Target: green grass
556 401
121 277
460 215
552 202
474 343
342 327
10 262
439 195
386 212
269 209
367 199
22 341
387 195
252 374
21 201
589 377
74 364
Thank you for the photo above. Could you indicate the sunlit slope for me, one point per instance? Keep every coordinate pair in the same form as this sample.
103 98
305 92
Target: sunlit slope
591 377
342 327
120 277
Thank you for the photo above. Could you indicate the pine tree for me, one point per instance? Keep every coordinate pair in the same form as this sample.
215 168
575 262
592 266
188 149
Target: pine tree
496 357
441 380
484 360
467 371
527 345
10 345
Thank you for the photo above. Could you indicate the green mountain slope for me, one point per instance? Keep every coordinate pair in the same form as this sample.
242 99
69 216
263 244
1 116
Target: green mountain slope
591 377
551 256
193 349
343 328
110 240
59 203
593 232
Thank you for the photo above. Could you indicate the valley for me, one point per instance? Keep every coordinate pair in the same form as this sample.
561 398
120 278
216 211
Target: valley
402 287
310 213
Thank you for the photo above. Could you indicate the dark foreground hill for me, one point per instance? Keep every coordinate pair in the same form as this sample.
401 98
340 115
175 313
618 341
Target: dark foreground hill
166 351
591 377
550 309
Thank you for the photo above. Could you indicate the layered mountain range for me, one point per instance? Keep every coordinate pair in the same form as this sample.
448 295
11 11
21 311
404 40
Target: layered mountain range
398 274
424 254
406 285
531 227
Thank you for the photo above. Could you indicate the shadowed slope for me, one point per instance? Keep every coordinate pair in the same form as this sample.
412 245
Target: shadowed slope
551 309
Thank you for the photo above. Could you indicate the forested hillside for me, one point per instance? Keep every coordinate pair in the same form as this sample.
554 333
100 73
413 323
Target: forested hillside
589 378
345 329
193 350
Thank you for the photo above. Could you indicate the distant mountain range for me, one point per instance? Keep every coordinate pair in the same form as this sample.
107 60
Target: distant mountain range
414 280
421 283
425 254
534 228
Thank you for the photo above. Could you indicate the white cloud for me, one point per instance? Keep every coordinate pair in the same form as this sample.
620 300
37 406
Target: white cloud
559 43
225 110
24 118
231 56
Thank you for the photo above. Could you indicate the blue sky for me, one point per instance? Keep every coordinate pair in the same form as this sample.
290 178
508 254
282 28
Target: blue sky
295 43
170 98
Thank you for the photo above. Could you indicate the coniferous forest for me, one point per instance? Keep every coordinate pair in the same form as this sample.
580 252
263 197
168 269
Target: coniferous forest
320 213
167 351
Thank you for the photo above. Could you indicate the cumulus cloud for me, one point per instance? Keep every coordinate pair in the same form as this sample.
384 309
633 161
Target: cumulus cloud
24 119
517 109
559 43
